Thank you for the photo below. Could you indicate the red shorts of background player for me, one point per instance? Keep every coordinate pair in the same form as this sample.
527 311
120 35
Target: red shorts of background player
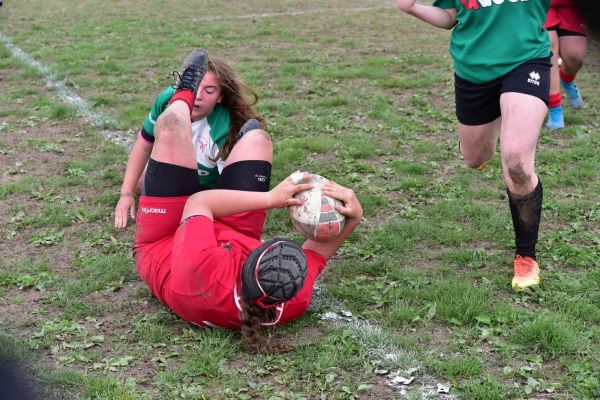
565 17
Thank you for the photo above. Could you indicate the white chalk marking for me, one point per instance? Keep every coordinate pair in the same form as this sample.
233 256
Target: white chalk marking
68 95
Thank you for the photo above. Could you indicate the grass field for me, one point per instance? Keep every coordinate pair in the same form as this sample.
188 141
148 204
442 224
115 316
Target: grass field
352 90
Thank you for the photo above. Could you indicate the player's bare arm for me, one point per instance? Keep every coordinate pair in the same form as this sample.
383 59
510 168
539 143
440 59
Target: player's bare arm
222 202
138 158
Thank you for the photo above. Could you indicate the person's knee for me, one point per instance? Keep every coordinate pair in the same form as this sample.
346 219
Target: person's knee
169 127
477 159
256 139
516 170
476 163
254 145
573 58
573 64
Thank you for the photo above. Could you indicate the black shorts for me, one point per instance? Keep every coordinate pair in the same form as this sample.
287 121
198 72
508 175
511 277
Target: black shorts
248 175
564 32
168 180
478 104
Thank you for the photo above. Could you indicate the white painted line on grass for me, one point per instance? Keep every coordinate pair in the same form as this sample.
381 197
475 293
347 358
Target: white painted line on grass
291 13
399 368
68 95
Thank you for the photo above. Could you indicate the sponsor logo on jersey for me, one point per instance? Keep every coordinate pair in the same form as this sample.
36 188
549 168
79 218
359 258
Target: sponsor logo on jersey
534 78
153 210
474 4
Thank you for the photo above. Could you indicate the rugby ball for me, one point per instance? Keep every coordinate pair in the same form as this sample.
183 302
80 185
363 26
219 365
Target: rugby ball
317 218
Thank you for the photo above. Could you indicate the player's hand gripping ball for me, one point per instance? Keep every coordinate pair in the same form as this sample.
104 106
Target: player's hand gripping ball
316 218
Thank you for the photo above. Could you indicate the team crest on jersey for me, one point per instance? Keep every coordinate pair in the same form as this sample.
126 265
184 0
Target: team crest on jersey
202 145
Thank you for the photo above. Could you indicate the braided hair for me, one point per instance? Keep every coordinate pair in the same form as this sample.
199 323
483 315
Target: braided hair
252 316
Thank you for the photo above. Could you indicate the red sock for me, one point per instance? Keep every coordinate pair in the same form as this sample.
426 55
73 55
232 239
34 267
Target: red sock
566 77
555 100
184 95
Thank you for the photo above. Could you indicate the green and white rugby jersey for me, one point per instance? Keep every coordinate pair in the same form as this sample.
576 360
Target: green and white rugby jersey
208 136
492 37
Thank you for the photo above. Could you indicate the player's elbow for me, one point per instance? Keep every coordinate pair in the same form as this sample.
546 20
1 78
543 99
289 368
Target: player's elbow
451 19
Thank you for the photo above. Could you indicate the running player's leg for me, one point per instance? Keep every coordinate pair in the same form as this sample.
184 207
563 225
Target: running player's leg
572 49
522 115
555 110
478 142
478 114
524 100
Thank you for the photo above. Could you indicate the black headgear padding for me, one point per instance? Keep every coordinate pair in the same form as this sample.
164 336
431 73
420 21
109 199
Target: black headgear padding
274 272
